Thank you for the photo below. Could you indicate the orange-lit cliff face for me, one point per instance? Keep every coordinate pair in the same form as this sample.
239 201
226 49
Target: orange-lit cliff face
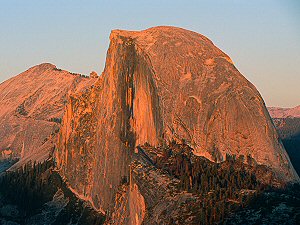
32 105
161 84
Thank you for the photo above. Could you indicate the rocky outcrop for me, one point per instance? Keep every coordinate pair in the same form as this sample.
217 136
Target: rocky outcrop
277 112
152 196
163 202
93 74
161 84
32 105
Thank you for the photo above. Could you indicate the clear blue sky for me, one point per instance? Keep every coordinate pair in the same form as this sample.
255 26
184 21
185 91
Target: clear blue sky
261 36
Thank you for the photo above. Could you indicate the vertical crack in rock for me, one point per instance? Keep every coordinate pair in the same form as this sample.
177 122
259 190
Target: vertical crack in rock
126 89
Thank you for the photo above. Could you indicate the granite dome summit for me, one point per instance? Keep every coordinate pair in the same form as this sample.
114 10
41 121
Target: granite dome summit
158 85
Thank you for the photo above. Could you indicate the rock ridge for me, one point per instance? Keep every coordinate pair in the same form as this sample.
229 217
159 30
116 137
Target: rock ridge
32 106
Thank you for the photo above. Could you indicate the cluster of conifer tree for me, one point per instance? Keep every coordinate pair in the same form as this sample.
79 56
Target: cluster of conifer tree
55 120
288 128
21 110
289 132
28 187
292 147
33 185
223 187
267 207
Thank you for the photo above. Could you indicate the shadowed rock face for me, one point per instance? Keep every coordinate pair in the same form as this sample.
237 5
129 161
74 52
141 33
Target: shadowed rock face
161 84
32 106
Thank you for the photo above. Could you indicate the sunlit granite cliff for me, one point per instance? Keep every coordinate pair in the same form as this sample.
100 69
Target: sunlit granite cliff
159 85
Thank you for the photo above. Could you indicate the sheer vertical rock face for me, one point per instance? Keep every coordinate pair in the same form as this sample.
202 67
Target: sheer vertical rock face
161 84
32 105
122 109
96 158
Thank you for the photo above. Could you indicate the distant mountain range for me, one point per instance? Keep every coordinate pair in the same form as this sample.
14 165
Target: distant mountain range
277 112
287 123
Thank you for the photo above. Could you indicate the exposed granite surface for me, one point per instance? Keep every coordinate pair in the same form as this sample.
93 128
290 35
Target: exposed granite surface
32 105
161 84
